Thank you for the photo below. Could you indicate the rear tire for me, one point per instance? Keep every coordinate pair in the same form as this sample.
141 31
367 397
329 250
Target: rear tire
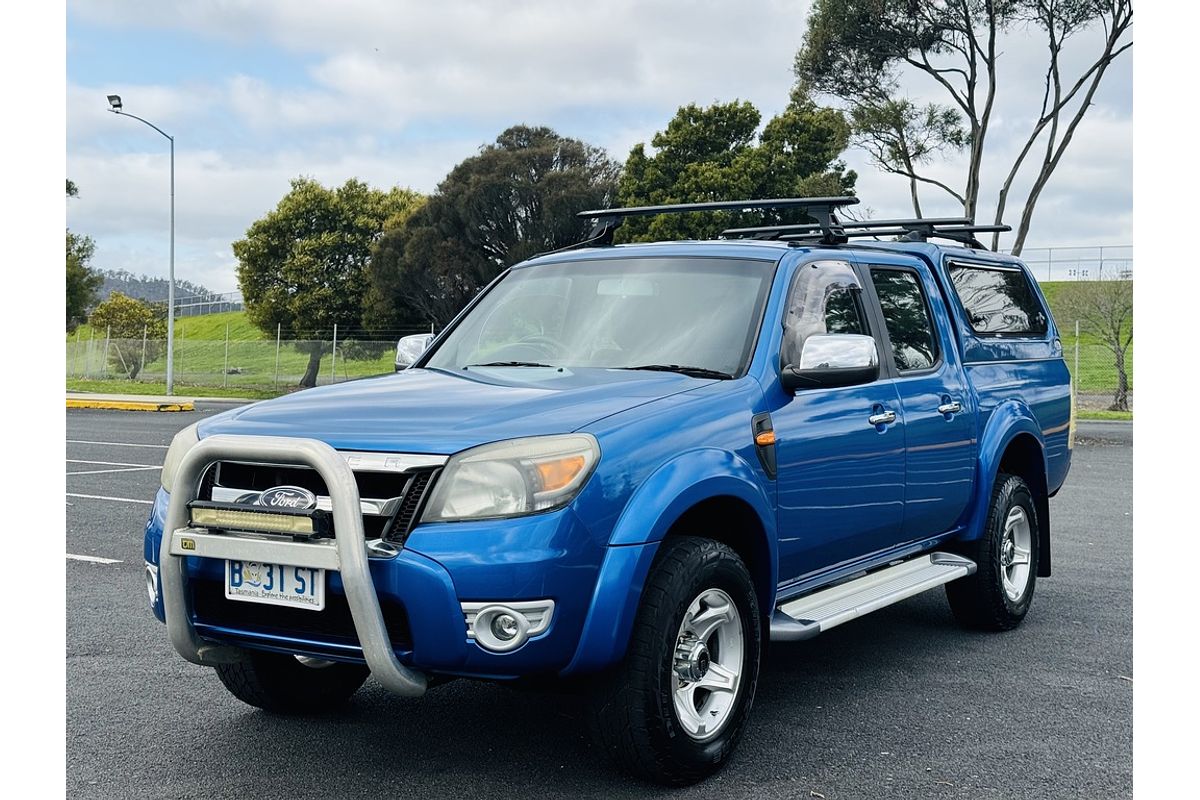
281 684
698 616
997 597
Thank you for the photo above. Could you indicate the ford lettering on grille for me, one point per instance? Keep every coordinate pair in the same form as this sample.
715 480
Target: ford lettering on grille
290 497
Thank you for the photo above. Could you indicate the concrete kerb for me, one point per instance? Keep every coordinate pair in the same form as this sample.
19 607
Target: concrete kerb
142 402
1115 431
131 403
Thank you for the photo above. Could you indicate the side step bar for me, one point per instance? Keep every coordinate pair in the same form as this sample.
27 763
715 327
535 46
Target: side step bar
807 616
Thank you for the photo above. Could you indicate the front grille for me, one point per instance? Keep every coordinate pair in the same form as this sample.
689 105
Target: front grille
332 624
391 500
258 477
414 501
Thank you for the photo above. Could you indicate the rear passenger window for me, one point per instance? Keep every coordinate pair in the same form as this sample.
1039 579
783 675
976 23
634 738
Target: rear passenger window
906 315
998 301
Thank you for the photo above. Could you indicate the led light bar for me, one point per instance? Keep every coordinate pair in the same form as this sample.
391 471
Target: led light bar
228 516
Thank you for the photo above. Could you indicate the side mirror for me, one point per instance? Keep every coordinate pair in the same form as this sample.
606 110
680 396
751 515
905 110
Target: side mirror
833 359
410 348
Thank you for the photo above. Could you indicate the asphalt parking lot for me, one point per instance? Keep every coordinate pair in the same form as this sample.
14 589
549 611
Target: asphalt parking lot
898 704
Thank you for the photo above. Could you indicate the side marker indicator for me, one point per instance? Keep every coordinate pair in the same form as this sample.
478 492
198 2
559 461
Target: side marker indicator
765 439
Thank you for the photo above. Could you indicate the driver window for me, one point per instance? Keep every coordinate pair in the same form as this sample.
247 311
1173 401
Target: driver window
825 298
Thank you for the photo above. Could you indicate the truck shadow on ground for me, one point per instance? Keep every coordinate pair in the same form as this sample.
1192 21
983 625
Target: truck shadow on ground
535 741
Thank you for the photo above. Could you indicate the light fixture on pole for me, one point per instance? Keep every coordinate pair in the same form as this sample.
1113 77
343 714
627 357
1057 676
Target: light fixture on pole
114 101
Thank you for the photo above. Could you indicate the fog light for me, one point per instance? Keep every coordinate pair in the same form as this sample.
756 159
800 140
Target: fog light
152 582
505 627
500 629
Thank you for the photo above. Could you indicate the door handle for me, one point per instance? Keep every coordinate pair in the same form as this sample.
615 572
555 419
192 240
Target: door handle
953 407
882 418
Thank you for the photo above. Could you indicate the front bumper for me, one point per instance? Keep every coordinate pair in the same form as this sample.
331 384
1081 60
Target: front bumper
418 594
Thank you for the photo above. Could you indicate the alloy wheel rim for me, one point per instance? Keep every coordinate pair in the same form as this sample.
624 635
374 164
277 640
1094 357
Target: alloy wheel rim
707 664
1015 553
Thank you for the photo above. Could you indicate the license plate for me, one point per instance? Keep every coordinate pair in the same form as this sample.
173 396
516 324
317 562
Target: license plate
275 584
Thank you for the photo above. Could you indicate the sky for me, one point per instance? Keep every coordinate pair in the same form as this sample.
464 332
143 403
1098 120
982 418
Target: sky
395 92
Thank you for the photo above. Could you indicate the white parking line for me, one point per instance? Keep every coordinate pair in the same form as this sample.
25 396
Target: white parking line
108 463
117 444
93 559
107 471
114 499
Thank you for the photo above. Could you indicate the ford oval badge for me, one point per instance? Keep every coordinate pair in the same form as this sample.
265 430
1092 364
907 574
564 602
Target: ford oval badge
287 497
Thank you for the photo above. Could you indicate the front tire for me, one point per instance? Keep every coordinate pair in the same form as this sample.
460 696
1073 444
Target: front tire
282 684
673 711
997 597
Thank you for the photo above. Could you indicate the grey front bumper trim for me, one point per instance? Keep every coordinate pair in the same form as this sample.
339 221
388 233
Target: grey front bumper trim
349 556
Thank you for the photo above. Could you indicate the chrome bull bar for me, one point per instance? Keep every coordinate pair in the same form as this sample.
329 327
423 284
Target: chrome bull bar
348 553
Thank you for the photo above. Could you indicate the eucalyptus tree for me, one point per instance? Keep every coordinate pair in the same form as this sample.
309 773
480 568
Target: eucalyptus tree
859 51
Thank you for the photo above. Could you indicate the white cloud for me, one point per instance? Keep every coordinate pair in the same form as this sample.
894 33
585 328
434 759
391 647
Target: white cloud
397 60
263 107
124 201
398 92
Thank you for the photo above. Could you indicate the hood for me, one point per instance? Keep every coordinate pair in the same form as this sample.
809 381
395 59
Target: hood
433 411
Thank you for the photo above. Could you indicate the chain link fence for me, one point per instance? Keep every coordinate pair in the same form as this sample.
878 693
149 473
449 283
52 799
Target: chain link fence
270 365
267 365
1093 367
1051 264
196 305
259 364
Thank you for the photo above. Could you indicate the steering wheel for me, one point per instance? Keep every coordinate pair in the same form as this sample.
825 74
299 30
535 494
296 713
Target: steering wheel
547 344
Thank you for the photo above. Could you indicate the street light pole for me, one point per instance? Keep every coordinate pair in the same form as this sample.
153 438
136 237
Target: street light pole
115 102
171 285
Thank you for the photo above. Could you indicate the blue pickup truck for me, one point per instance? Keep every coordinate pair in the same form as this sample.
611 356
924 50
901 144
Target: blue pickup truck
635 465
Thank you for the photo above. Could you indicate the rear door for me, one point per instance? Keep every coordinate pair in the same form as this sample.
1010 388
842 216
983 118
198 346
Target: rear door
939 428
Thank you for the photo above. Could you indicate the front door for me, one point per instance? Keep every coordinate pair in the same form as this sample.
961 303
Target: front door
841 475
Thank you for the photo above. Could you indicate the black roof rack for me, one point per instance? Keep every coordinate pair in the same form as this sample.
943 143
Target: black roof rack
851 233
909 233
776 231
957 233
959 229
827 230
607 220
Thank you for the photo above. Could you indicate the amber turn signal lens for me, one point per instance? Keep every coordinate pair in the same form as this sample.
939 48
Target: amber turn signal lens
765 438
558 473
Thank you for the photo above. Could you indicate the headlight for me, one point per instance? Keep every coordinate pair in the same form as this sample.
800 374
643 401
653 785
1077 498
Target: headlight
185 440
507 479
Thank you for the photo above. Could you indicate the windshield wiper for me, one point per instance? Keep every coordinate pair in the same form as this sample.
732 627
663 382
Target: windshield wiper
511 364
693 372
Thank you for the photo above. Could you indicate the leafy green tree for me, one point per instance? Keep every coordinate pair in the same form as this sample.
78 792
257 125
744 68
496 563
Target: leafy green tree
129 323
303 266
82 282
717 153
858 51
1105 309
900 137
516 198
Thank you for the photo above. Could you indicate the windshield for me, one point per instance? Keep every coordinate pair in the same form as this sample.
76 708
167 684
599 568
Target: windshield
699 313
